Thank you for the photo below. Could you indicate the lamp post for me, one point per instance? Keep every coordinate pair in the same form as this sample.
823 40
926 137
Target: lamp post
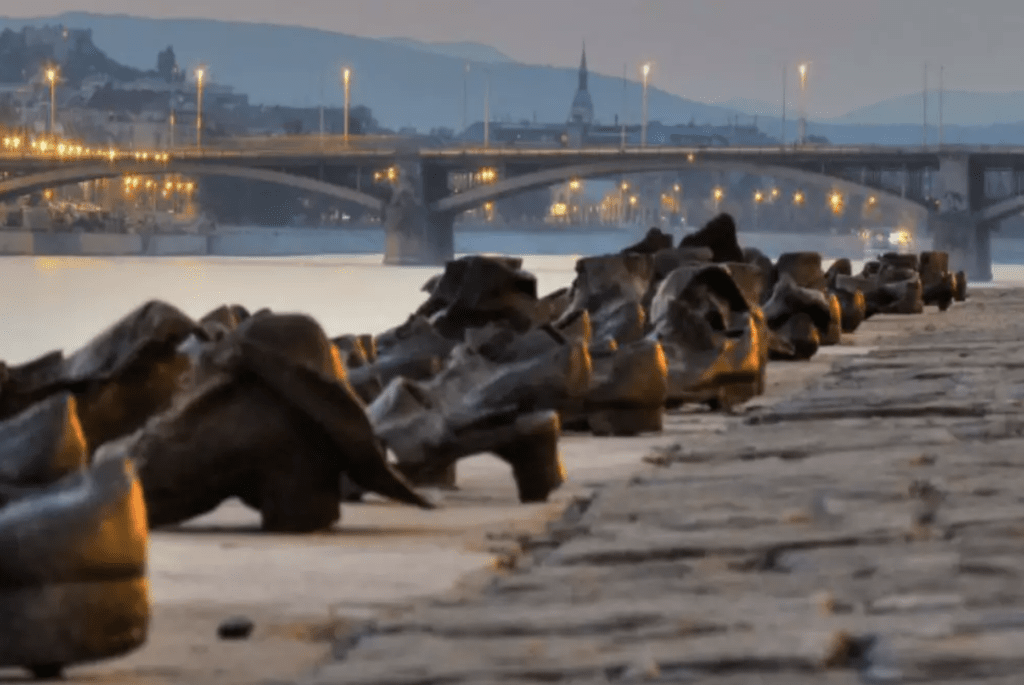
51 76
487 108
346 78
803 104
465 95
172 117
643 127
200 73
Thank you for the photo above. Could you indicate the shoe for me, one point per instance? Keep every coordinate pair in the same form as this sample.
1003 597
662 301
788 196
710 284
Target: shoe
40 446
73 585
125 375
719 234
271 421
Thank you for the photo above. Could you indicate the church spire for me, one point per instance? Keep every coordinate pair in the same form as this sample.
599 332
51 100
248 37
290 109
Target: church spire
583 68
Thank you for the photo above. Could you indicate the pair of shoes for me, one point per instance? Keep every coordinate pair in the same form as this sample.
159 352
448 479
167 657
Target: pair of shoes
73 546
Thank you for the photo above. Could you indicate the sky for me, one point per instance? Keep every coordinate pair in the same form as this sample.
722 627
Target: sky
859 51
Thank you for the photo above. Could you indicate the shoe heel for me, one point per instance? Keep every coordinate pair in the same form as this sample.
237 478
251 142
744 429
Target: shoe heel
536 463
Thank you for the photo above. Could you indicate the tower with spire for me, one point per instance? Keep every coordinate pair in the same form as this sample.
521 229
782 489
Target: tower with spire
582 111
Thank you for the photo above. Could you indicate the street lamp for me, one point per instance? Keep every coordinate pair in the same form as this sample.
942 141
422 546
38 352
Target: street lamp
51 76
346 78
803 103
643 120
200 73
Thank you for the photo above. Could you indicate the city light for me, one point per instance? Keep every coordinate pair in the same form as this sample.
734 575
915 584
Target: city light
872 200
798 198
718 194
758 196
488 175
775 193
559 209
836 200
574 184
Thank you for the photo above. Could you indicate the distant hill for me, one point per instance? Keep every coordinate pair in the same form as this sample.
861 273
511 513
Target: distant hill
474 52
958 107
412 83
404 82
753 107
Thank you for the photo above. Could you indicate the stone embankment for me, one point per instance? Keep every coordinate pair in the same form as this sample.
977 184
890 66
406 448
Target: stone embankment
867 529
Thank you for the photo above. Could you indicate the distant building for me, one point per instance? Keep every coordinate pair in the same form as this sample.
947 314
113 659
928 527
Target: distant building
581 129
582 111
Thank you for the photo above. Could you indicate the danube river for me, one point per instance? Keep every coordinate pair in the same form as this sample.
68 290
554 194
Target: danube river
50 303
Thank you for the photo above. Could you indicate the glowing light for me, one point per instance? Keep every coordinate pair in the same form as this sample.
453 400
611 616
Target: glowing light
901 238
836 200
872 200
758 196
574 184
718 193
559 209
798 198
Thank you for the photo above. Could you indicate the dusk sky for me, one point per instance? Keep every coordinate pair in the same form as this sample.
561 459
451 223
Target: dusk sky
860 51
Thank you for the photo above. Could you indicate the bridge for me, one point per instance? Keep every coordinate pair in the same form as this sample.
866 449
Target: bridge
959 193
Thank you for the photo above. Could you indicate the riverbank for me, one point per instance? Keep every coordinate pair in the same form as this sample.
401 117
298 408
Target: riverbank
864 529
312 596
257 241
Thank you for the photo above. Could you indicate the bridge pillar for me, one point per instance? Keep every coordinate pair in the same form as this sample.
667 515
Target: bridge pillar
414 235
954 227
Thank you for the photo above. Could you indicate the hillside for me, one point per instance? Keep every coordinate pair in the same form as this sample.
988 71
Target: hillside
402 82
958 107
406 82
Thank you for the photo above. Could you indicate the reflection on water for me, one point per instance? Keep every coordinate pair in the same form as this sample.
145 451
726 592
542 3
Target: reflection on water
52 303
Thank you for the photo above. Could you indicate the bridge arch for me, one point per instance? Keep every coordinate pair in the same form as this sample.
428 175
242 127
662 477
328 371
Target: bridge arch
66 175
539 179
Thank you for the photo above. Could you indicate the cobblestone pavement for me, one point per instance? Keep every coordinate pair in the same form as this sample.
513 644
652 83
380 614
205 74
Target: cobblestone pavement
867 529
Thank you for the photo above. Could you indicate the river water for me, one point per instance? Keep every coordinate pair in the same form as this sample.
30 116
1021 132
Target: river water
49 303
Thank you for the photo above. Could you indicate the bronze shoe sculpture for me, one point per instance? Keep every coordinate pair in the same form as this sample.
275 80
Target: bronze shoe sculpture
627 394
719 234
715 345
270 419
428 442
126 374
73 546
